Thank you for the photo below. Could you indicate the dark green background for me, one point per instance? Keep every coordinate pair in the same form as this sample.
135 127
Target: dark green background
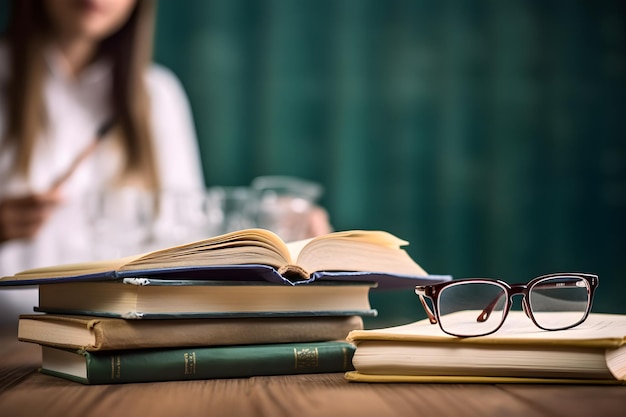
490 134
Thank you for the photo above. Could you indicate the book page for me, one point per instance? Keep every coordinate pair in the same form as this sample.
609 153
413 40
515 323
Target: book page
604 330
249 246
445 359
357 250
376 237
296 247
73 269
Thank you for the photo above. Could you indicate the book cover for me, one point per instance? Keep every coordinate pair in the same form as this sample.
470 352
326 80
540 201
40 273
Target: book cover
153 365
593 352
90 333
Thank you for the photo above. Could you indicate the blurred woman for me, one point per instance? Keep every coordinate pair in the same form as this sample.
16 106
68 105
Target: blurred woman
82 109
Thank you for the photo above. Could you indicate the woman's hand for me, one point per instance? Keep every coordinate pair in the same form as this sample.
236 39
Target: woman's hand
318 222
293 218
22 217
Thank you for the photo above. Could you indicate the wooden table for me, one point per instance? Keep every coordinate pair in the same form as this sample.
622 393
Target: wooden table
25 392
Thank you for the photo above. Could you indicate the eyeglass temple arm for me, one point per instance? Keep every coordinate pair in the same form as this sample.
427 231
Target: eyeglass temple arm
484 315
420 291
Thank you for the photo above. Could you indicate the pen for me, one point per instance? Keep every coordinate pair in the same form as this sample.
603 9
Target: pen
100 134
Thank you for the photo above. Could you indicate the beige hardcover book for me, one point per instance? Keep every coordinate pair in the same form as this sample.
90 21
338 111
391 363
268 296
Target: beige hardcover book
98 333
143 298
593 352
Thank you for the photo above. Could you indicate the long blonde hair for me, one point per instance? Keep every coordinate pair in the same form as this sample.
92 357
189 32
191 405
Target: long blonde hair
130 50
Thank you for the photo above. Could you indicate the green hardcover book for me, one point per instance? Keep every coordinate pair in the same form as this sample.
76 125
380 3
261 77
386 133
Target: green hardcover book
152 365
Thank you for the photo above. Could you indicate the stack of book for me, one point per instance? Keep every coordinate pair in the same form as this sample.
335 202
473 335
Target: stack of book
593 352
238 305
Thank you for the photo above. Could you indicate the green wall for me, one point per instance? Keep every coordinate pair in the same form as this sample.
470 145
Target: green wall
490 134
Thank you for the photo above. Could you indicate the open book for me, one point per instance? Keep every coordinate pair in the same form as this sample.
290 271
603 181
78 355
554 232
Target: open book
520 352
339 255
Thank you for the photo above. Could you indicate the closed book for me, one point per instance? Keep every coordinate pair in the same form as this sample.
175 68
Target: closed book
592 352
197 363
137 298
92 333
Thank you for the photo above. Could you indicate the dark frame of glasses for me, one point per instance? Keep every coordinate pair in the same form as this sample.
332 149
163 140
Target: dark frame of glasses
433 291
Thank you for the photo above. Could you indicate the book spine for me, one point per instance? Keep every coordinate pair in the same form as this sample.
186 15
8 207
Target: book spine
218 362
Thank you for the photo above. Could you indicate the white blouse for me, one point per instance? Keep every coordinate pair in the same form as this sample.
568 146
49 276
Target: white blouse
76 107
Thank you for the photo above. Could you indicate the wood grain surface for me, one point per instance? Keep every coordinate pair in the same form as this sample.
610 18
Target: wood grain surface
26 392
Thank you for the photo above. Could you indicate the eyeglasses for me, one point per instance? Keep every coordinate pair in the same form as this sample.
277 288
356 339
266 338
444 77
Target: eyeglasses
477 307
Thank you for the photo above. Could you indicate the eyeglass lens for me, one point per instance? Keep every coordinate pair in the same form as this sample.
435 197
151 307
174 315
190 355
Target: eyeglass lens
480 307
471 299
559 302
